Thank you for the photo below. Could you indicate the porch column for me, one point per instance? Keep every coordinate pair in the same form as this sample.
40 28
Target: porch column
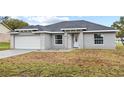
69 41
66 40
81 39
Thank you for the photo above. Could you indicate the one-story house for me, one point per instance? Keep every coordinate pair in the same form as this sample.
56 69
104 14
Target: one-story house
4 32
64 35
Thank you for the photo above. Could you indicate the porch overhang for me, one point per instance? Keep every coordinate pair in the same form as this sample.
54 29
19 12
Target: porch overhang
68 29
73 30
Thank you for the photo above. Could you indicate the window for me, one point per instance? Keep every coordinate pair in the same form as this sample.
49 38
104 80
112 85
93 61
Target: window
98 39
58 39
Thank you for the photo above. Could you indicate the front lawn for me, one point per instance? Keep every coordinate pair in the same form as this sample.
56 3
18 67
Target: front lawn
75 63
4 45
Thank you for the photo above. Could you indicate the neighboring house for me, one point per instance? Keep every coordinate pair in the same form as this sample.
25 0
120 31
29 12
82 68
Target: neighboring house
64 35
119 40
4 33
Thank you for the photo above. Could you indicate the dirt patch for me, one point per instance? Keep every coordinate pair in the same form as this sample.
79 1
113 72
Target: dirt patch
74 63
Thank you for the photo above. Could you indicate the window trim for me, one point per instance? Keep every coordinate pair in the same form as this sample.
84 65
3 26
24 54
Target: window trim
58 39
98 39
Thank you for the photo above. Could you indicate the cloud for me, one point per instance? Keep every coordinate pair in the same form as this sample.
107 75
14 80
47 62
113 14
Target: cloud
41 20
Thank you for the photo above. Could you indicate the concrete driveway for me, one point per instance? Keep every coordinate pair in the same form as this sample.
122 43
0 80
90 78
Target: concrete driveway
11 53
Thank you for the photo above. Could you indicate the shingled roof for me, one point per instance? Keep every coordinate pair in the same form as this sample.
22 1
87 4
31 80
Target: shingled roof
70 24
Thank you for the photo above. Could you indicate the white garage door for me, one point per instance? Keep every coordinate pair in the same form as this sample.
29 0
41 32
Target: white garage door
27 42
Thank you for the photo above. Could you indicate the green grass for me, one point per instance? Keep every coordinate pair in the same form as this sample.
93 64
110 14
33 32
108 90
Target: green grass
38 69
77 63
4 45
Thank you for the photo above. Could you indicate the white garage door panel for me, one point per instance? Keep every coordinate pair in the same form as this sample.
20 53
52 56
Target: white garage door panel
27 42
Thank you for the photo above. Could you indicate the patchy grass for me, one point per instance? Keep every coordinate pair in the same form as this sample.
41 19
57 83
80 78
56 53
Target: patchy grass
4 45
85 63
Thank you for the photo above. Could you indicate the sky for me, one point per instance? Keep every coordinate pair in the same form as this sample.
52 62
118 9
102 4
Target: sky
47 20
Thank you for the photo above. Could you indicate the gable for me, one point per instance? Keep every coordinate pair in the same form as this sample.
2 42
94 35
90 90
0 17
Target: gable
4 29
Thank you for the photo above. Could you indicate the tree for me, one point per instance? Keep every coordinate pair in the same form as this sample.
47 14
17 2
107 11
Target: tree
3 18
119 25
13 23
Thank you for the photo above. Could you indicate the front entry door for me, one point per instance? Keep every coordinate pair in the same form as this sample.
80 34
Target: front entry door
75 41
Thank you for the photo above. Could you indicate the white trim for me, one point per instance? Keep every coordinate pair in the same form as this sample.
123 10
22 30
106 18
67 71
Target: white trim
26 29
57 32
40 32
74 31
64 32
100 31
47 32
14 32
77 32
73 28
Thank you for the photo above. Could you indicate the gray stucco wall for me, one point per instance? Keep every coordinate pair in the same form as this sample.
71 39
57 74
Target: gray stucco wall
108 40
86 40
48 41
